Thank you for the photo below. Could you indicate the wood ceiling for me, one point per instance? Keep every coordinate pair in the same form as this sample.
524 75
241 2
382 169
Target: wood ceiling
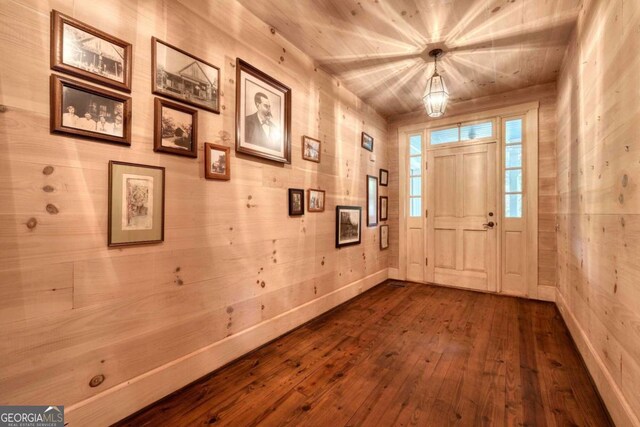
379 48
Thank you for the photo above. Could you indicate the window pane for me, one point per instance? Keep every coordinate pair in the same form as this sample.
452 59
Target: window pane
513 205
415 144
513 131
513 156
415 163
415 206
415 186
443 136
513 181
475 131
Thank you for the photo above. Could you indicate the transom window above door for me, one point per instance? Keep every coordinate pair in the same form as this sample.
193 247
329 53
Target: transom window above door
462 132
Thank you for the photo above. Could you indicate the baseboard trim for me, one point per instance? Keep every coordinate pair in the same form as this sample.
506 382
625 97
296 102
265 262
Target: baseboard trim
616 403
394 274
546 293
126 398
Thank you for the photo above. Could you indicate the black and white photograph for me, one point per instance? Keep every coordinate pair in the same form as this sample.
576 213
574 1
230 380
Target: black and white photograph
183 77
372 201
367 141
311 149
348 228
315 202
384 237
296 202
384 177
176 129
137 210
216 161
384 208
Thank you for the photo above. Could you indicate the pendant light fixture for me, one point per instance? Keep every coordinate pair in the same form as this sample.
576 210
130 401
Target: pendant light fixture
435 94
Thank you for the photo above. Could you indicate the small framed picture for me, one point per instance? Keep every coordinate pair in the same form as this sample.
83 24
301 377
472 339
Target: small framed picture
315 200
367 141
372 201
86 52
348 225
384 237
296 202
176 129
217 164
136 204
311 149
384 177
179 75
89 111
263 114
384 202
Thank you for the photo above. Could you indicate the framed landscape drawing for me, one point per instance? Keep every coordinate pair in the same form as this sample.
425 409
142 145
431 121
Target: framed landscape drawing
315 200
217 164
372 201
263 114
179 75
348 225
384 237
88 111
311 149
136 204
384 177
367 141
176 129
84 51
296 202
384 206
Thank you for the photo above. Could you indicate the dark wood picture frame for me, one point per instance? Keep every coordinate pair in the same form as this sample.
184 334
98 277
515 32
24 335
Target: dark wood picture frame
382 245
208 174
315 209
384 174
275 86
159 104
173 94
372 201
57 85
304 145
339 209
292 210
366 141
385 211
57 47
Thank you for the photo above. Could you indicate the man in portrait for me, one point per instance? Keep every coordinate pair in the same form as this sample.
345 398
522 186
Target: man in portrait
259 128
70 119
104 126
87 122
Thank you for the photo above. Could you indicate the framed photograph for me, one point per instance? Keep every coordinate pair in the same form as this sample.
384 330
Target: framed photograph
176 129
217 164
384 202
348 225
136 204
384 237
263 114
315 200
367 141
372 201
88 111
178 75
384 177
86 52
311 149
296 202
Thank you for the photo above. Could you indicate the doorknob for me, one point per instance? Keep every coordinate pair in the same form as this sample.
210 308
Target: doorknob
490 224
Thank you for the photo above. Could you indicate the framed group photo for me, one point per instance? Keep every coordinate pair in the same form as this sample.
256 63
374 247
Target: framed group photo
176 129
316 200
348 225
296 202
372 201
311 149
217 162
367 141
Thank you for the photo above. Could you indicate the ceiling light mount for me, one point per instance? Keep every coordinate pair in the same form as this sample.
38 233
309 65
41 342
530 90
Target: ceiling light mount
436 53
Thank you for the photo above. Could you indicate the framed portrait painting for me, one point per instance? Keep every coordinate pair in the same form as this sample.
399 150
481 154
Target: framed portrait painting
217 164
315 200
348 225
263 114
176 129
384 208
296 202
372 201
311 149
384 237
384 177
136 204
367 141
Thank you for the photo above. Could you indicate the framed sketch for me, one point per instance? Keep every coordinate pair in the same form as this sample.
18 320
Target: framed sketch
136 204
296 202
367 141
372 201
348 225
384 177
384 209
86 52
176 129
263 114
315 200
311 149
178 75
384 237
89 111
217 164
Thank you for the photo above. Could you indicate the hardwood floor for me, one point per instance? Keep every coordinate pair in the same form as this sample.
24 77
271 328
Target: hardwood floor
414 355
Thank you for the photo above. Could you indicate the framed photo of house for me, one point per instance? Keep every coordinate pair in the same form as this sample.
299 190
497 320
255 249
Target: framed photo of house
86 52
384 237
311 149
348 225
88 111
217 164
372 201
384 177
263 114
183 77
315 200
367 141
136 204
176 129
296 202
384 208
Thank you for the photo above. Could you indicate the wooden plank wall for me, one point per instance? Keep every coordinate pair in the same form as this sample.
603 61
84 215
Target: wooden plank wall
598 203
232 260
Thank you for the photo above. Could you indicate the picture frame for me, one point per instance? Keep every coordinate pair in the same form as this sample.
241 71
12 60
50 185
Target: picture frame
311 149
372 201
262 101
183 77
315 200
348 225
296 202
112 111
384 208
136 204
384 177
175 128
89 53
367 141
217 162
384 237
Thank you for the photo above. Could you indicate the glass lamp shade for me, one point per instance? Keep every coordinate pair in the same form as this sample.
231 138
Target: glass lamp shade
435 96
